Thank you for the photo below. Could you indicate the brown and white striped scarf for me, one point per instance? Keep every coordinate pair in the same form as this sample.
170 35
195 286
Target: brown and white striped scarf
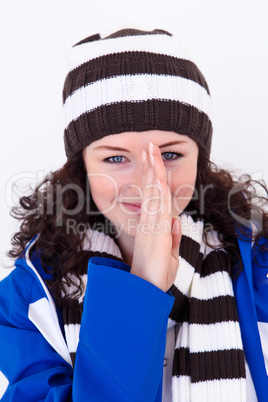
209 363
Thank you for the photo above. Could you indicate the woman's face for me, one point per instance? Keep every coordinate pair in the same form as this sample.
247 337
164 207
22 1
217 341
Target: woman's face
114 167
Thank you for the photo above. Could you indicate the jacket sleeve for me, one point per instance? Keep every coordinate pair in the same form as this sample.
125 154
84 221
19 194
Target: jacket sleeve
30 369
121 348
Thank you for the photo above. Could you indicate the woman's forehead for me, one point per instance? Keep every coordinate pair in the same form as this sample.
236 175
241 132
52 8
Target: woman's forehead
140 138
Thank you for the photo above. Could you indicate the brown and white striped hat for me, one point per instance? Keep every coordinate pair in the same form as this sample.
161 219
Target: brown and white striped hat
133 80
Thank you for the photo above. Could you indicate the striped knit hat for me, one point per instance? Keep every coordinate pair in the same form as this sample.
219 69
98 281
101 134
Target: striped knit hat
133 80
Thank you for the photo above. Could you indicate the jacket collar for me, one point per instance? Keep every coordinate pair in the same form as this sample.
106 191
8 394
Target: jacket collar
42 311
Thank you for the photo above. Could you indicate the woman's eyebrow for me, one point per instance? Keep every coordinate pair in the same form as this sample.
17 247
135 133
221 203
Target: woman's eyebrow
172 143
108 147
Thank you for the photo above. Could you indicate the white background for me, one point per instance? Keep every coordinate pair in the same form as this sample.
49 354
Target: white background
227 39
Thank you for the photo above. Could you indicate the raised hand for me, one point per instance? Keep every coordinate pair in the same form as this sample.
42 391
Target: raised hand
156 250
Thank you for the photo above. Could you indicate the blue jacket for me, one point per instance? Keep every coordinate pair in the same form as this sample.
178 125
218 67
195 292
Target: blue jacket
251 292
122 337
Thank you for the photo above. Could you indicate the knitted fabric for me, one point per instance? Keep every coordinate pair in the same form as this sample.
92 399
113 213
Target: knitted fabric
209 362
133 81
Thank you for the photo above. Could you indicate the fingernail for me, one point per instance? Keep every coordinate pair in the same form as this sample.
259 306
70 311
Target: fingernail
143 156
152 159
151 148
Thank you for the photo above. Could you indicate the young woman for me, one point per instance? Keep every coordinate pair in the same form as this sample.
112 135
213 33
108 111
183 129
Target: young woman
141 268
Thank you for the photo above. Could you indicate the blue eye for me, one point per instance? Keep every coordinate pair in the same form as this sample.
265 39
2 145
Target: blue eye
168 156
114 159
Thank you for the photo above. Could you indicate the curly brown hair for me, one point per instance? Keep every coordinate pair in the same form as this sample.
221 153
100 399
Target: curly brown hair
223 203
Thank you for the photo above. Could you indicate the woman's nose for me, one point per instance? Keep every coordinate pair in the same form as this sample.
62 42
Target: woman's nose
133 187
136 180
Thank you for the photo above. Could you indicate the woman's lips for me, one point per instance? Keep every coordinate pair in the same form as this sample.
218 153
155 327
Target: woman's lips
131 207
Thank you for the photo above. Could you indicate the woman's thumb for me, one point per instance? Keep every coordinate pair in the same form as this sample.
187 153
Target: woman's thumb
176 236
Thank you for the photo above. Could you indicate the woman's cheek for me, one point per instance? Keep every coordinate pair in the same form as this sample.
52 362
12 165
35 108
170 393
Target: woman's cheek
182 195
104 191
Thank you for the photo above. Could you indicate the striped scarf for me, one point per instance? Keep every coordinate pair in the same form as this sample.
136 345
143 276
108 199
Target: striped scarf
209 362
